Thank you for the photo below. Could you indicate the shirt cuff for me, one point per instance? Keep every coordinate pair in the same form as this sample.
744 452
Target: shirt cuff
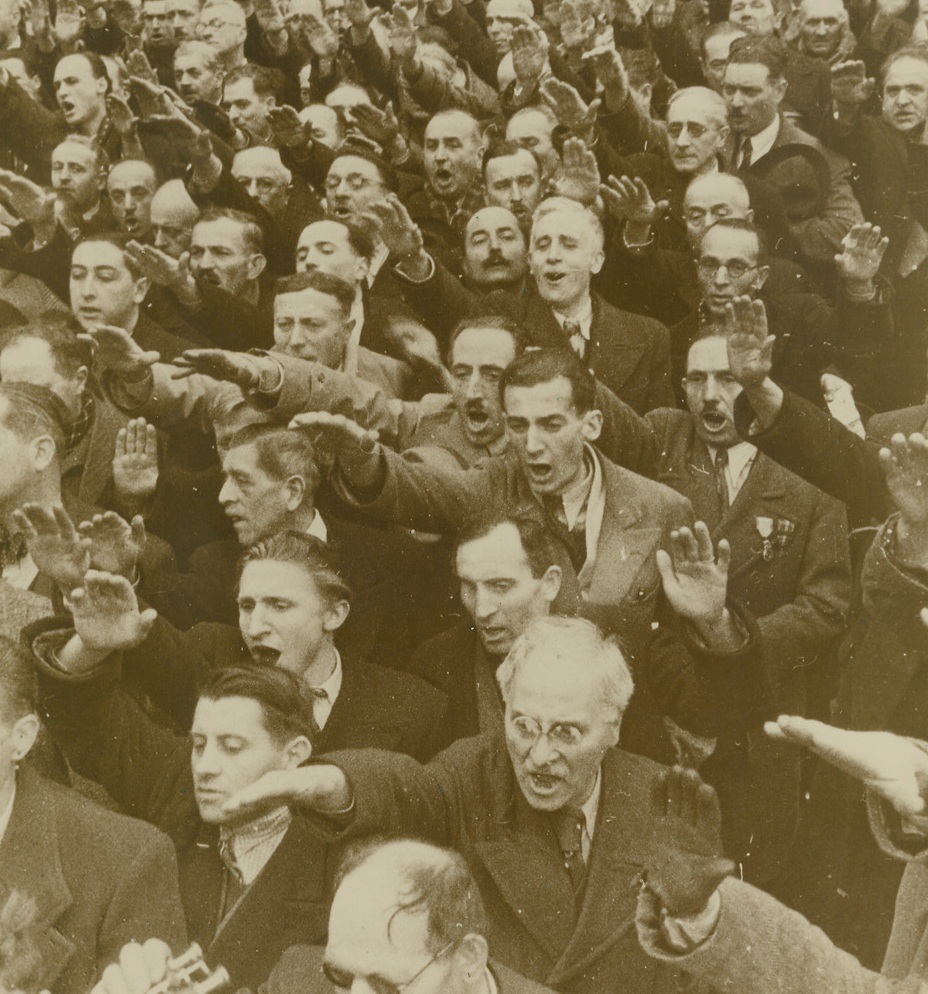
684 933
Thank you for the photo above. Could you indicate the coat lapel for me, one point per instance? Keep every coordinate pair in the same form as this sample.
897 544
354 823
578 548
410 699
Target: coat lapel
30 861
201 885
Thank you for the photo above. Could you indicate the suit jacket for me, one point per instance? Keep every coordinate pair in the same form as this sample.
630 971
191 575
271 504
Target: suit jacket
99 879
145 767
299 971
620 589
882 427
467 797
800 596
87 470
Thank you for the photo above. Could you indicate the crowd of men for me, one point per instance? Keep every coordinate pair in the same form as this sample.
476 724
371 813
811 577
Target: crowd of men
464 495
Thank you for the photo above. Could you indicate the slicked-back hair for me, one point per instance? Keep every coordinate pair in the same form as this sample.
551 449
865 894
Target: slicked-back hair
59 330
281 453
355 149
118 239
764 51
537 542
489 322
267 82
502 149
19 688
919 52
100 154
432 881
741 224
97 67
320 560
30 411
720 29
544 365
285 702
252 234
331 286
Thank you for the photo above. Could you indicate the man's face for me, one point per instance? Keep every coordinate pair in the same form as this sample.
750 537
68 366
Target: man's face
157 24
283 619
311 325
495 254
755 16
695 136
246 108
257 504
220 27
498 589
905 95
351 186
514 182
230 748
10 18
103 290
262 174
711 198
711 391
727 267
30 360
80 95
334 11
558 769
564 255
131 186
533 130
821 27
323 124
304 79
753 98
549 434
451 154
76 176
194 78
173 216
499 31
220 256
184 15
16 457
715 58
477 363
325 247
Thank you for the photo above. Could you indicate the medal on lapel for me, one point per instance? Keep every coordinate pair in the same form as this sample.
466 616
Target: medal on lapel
765 530
785 529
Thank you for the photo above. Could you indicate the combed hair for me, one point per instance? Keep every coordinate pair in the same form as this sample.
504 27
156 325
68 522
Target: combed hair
538 543
502 148
194 46
19 688
59 330
764 51
118 239
281 453
642 66
331 286
742 224
720 29
21 963
353 147
32 411
580 641
103 159
491 322
432 881
97 67
286 705
360 236
319 559
709 100
267 82
544 365
567 205
917 51
251 230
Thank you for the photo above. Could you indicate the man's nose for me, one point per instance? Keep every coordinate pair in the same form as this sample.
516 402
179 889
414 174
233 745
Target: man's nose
533 440
205 762
541 752
473 386
711 388
257 622
484 605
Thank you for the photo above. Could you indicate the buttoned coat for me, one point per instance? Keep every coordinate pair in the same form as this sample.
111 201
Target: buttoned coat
99 880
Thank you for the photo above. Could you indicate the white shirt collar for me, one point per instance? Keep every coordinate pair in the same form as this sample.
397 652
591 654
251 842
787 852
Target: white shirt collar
380 256
350 362
21 575
491 983
584 318
590 812
762 142
322 706
317 528
7 813
740 457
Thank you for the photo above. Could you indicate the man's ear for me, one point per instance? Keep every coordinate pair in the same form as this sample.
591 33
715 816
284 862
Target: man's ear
335 616
298 750
81 377
295 488
473 954
140 291
592 425
779 89
598 259
25 732
43 452
551 583
761 278
256 264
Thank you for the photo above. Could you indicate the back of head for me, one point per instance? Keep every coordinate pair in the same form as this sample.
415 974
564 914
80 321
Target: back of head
766 50
59 330
31 411
19 689
281 453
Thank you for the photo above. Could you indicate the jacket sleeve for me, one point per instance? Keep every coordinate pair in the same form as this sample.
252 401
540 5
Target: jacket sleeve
29 130
473 44
820 236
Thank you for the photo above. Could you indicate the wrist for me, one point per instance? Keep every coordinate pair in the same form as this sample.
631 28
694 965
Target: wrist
911 545
859 290
637 233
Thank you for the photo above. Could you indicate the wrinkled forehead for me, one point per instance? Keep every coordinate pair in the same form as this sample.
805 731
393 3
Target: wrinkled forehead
718 191
453 125
491 219
126 174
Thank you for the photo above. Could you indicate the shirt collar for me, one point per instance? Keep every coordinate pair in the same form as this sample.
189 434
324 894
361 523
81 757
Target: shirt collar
317 528
333 685
762 142
590 808
242 838
350 362
584 490
739 455
380 256
584 318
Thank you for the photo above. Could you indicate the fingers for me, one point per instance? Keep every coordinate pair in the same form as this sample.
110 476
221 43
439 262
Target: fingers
665 568
64 523
683 546
703 539
99 586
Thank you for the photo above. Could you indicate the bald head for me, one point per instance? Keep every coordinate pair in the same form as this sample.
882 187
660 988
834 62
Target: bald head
711 197
265 178
173 215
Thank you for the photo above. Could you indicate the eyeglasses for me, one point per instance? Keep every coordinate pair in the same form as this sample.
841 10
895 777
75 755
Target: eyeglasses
529 731
735 268
343 980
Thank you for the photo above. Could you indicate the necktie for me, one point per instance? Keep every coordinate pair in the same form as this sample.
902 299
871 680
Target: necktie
319 712
746 151
568 824
13 548
574 540
234 882
575 336
721 483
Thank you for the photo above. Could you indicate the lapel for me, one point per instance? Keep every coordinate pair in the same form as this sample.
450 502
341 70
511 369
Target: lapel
31 862
611 354
619 853
201 885
344 714
626 544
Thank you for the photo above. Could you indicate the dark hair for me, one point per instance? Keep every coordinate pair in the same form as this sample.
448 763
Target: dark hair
764 51
281 453
19 688
436 882
541 550
544 365
251 230
360 236
286 706
118 239
642 66
59 330
97 67
331 286
266 81
33 411
319 559
503 149
491 322
742 224
358 150
432 34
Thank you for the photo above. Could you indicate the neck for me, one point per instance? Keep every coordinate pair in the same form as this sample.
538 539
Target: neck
574 308
323 666
91 127
6 791
478 984
250 292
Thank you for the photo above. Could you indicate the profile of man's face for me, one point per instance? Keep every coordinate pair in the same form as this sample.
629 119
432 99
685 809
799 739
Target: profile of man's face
221 256
325 247
79 93
752 96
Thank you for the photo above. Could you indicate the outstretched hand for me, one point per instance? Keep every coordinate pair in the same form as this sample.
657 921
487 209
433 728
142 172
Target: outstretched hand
106 613
750 348
695 582
114 544
219 364
56 547
905 464
116 350
686 864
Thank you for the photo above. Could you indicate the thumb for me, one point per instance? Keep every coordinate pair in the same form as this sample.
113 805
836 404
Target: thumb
151 357
146 620
594 107
665 568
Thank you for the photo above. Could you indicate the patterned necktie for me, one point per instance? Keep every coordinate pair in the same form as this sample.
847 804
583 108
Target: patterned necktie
568 824
721 481
575 336
745 154
13 549
319 695
574 540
